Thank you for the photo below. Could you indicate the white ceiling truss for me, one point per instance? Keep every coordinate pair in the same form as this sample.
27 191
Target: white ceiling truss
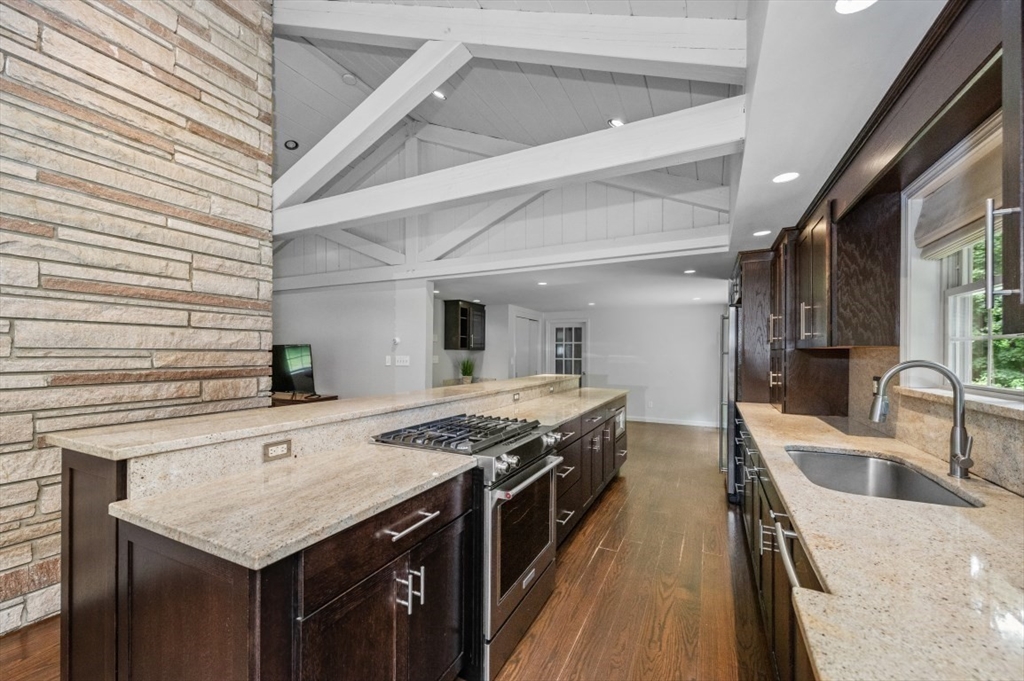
673 76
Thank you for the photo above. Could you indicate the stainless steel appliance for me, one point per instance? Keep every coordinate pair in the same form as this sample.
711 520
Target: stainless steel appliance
516 501
729 462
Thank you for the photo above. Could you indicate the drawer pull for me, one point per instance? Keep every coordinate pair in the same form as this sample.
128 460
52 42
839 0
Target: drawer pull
568 469
395 536
566 519
568 434
621 453
593 419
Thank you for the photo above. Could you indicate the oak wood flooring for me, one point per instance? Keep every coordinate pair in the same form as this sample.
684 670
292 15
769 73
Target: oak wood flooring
653 584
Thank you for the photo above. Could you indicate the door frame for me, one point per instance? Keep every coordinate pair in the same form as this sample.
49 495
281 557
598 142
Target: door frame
514 348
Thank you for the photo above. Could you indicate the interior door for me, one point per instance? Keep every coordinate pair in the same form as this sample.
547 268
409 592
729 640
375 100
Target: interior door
568 348
527 347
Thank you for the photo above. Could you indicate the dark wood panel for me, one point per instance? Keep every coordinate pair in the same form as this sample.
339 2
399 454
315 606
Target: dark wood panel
89 566
753 348
436 633
865 309
183 614
569 509
331 566
275 619
360 634
1013 163
570 470
817 382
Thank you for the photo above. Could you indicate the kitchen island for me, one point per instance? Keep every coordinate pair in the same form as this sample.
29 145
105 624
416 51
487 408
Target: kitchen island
911 590
265 547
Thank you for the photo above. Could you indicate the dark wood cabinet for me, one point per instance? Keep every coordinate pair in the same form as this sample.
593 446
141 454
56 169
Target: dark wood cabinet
465 325
1013 166
753 272
812 284
362 604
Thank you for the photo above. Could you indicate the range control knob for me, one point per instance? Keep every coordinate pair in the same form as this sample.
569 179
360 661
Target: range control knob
501 467
550 439
512 460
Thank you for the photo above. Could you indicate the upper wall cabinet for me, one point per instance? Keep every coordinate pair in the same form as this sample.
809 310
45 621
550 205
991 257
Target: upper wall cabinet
464 325
1013 163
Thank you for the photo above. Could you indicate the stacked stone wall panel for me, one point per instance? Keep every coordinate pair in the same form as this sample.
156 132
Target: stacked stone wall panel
135 194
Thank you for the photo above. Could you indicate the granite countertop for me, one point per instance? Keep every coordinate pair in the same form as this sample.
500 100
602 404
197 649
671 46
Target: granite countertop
259 517
915 591
153 437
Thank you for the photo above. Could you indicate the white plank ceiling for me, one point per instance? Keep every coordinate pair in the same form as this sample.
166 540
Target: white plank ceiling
695 9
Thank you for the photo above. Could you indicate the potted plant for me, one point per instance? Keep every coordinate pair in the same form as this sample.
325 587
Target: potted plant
466 369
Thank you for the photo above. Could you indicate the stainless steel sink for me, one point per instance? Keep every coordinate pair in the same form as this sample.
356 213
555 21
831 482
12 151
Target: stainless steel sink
873 477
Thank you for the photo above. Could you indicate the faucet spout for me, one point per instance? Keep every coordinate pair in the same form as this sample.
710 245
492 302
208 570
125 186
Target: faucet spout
960 443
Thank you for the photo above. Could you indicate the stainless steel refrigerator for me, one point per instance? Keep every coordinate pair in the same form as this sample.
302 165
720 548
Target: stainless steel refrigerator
727 403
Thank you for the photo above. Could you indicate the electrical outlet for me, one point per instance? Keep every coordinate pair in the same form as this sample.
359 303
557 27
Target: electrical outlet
273 451
650 404
387 360
436 360
401 360
515 397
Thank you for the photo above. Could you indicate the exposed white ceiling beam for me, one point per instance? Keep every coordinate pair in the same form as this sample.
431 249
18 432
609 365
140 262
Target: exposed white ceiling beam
420 75
365 246
694 134
371 163
660 185
478 224
696 49
713 239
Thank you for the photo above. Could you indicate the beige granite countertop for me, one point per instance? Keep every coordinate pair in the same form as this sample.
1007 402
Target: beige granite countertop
259 517
152 437
915 591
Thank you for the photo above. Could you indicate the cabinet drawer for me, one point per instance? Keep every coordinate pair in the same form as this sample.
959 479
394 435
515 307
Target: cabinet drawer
333 565
621 451
569 509
570 430
594 419
568 472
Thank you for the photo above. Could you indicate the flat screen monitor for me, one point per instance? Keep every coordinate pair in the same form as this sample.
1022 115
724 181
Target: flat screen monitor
293 369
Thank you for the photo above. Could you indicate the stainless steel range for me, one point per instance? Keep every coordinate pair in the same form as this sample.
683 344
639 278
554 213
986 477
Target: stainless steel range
516 500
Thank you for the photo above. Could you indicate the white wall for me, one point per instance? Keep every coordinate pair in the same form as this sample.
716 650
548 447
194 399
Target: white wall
667 357
351 330
494 362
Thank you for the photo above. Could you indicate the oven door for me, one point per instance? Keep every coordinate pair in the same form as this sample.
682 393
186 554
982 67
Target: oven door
519 538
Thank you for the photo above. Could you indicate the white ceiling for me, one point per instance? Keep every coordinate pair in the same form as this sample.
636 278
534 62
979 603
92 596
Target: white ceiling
814 78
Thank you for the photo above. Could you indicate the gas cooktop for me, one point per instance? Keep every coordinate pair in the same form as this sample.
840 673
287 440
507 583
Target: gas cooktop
463 434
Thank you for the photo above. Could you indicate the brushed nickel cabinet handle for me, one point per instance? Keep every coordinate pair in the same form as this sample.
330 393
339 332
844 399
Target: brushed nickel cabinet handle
395 536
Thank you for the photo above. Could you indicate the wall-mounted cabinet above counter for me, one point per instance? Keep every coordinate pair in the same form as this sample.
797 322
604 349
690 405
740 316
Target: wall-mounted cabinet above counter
464 325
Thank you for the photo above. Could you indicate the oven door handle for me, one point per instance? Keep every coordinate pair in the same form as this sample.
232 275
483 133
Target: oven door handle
499 496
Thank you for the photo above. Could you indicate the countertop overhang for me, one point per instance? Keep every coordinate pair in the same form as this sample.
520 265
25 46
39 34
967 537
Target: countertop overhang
915 590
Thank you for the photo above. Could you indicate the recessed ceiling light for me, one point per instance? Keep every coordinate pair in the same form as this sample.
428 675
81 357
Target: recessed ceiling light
476 300
785 177
436 291
689 271
696 298
763 232
439 94
542 283
348 79
591 304
851 6
291 145
615 123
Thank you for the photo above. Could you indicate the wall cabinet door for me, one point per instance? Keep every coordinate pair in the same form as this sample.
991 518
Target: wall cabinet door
464 325
1013 162
804 287
477 326
438 570
356 635
812 308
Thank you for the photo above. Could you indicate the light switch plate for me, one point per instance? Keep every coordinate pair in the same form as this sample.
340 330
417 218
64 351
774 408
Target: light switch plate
387 360
515 397
436 360
272 451
401 360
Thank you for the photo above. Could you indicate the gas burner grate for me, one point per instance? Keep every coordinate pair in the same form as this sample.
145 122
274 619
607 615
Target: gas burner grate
466 434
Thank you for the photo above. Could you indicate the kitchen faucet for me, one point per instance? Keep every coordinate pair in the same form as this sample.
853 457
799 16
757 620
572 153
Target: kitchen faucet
959 441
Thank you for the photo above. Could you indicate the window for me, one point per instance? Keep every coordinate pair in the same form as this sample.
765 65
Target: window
976 349
569 350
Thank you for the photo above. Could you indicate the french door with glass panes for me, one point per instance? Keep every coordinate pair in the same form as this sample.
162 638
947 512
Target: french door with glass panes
568 346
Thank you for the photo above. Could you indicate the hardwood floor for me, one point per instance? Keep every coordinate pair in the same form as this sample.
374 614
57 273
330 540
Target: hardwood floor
32 653
653 584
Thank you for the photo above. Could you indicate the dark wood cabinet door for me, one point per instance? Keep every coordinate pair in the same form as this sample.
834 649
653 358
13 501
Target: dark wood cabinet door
804 288
477 326
766 559
754 347
621 451
596 462
819 317
607 450
587 468
1013 165
439 570
569 509
361 634
782 614
570 470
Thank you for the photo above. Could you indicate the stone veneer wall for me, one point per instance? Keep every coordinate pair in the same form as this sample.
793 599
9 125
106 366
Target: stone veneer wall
925 423
135 254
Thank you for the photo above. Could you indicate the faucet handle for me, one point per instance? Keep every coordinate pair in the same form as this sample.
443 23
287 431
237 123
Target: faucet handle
965 459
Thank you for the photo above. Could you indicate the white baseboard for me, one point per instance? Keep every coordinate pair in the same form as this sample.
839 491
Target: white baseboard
673 422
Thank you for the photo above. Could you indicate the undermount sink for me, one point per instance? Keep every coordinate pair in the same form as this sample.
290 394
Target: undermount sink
873 477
